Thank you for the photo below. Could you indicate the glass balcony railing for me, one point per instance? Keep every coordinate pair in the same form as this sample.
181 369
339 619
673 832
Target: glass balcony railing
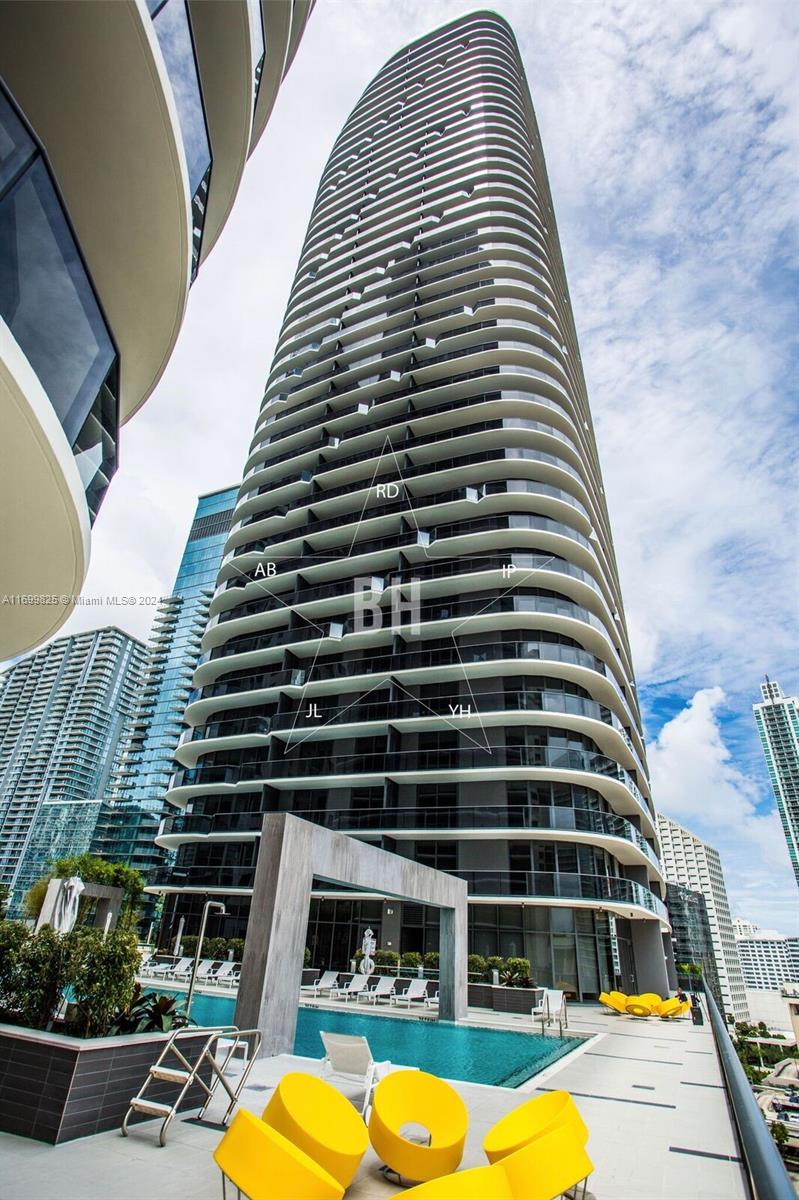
50 306
513 819
524 885
328 765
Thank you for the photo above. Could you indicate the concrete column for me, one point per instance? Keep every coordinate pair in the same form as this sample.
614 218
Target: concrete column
271 970
650 961
671 970
452 964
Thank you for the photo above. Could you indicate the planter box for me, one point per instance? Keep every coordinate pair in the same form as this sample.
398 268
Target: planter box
502 999
55 1088
514 1000
479 995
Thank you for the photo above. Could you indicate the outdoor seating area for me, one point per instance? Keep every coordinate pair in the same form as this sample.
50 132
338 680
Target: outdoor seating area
616 1086
216 972
646 1005
309 1142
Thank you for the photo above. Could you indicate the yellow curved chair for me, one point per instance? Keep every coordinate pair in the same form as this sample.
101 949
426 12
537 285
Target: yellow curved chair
532 1120
551 1165
636 1007
478 1183
685 1007
542 1170
670 1008
414 1097
652 999
318 1120
264 1165
615 1001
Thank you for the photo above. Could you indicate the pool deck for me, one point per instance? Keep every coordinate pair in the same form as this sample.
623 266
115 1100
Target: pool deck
650 1092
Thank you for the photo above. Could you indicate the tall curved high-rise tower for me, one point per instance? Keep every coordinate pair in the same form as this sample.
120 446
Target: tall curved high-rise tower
418 635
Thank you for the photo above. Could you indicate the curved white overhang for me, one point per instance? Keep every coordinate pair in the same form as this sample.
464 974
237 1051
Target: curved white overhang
91 80
222 42
43 512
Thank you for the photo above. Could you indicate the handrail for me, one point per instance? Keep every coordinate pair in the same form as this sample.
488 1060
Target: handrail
767 1174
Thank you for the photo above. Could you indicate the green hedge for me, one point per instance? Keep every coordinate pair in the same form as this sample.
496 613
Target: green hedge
37 968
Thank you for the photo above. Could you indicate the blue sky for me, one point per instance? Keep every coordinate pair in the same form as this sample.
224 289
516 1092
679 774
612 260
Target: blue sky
670 133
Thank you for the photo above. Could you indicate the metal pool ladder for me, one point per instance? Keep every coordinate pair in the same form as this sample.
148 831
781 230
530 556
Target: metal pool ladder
173 1066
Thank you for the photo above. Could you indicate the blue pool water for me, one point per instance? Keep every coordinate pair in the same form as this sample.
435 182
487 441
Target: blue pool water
470 1053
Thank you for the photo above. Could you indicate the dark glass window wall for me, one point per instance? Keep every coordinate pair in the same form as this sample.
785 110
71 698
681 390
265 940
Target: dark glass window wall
48 302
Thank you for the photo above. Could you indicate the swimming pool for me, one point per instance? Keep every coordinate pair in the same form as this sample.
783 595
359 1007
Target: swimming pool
470 1053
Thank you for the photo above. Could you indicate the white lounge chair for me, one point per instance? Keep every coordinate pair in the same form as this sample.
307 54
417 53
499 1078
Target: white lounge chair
225 974
324 984
551 1007
384 987
345 993
160 970
348 1058
431 1001
416 990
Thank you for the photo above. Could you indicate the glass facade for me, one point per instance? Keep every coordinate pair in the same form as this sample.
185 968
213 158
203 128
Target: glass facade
692 938
48 302
172 24
777 721
63 711
134 800
418 636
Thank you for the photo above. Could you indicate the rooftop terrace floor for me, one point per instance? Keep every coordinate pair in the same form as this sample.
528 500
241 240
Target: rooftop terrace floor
650 1092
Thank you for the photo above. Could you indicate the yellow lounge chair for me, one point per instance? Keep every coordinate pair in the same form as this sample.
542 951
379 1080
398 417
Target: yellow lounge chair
670 1008
652 999
532 1120
636 1007
263 1165
318 1120
542 1170
615 1001
405 1097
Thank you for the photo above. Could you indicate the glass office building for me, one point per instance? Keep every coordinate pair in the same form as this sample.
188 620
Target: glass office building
418 635
691 935
777 720
134 803
63 711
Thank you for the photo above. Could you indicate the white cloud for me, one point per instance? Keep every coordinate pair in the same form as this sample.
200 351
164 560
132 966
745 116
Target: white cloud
697 783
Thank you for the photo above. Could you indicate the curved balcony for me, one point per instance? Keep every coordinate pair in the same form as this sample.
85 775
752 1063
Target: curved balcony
461 823
624 897
582 766
406 714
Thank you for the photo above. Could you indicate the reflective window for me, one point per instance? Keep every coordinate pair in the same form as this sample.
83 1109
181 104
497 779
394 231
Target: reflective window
172 27
48 303
256 43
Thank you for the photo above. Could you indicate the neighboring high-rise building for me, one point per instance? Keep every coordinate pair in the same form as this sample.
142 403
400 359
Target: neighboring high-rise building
768 960
689 861
777 720
418 635
124 132
62 714
691 935
134 804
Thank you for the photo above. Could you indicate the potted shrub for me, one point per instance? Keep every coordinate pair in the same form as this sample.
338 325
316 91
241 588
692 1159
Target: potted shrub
63 1077
476 965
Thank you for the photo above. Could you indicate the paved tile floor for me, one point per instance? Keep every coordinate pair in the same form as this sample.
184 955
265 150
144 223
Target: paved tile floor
650 1093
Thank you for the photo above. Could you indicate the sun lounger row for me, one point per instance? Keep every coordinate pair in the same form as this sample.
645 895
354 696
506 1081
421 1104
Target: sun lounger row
310 1141
210 970
648 1004
383 987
